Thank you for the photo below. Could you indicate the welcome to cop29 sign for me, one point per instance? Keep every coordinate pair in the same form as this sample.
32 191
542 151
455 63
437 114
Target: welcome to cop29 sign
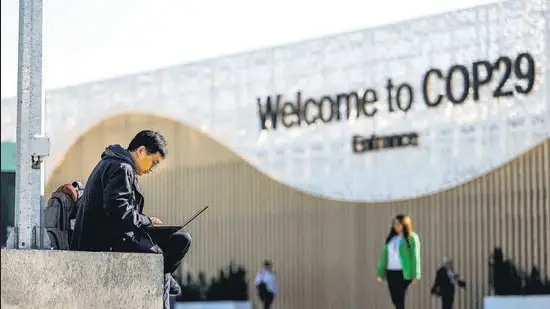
457 84
408 109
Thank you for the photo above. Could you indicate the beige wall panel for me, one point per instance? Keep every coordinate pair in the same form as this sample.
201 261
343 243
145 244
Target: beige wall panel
326 252
186 147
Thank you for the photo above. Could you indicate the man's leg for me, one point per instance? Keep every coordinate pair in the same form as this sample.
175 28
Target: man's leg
447 301
176 249
268 300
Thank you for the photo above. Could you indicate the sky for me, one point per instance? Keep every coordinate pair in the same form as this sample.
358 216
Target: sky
89 40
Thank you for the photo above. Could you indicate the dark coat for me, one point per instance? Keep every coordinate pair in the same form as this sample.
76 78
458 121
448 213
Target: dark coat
109 216
443 285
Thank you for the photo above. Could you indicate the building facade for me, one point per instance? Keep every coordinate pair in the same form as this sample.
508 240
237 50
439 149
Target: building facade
305 152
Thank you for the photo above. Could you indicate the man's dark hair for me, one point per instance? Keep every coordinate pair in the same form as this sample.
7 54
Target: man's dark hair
152 141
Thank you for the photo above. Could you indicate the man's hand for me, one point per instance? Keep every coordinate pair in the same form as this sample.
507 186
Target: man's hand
414 281
379 279
155 221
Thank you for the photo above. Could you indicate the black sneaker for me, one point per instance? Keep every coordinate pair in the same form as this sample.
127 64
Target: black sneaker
175 288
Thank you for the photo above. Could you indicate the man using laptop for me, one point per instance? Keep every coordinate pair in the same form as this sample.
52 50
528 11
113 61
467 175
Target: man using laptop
110 212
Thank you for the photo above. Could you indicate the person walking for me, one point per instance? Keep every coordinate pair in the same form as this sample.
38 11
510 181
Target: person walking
266 284
445 281
400 262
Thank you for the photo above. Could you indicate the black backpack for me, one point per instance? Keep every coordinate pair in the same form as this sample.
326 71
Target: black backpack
59 218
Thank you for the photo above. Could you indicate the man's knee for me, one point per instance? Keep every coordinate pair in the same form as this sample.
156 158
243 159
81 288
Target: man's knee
181 239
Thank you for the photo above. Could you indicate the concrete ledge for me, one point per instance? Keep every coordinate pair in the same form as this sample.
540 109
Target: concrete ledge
516 302
77 280
216 305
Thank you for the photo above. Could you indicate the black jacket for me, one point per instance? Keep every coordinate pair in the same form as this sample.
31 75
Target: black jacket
109 216
443 285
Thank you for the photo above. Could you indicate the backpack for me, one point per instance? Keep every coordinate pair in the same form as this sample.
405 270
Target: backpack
59 216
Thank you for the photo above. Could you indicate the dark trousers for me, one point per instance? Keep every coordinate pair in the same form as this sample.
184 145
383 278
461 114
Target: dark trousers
173 249
268 300
447 301
397 286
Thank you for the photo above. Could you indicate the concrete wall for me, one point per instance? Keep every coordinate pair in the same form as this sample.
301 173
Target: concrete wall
74 280
215 305
516 302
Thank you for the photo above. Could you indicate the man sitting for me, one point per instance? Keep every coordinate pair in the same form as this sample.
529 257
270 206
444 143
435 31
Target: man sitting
110 211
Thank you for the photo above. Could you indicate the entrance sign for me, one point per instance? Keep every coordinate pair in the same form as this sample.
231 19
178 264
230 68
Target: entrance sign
395 112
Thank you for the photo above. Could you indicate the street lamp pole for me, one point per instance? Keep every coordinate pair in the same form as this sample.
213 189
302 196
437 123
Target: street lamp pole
32 146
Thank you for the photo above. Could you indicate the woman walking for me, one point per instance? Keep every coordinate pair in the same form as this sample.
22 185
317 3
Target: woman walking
399 264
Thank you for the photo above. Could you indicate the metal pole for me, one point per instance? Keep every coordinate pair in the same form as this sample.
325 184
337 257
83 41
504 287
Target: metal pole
31 146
